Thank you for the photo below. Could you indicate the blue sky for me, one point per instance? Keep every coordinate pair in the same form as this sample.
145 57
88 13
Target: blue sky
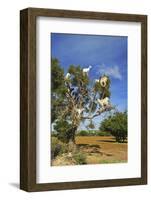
106 54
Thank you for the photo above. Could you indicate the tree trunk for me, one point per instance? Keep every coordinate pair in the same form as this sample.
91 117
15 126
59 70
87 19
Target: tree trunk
71 134
71 144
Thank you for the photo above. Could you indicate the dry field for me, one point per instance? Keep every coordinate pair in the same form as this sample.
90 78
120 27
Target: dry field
96 150
102 149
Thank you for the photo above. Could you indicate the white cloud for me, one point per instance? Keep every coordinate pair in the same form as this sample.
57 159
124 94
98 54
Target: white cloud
111 71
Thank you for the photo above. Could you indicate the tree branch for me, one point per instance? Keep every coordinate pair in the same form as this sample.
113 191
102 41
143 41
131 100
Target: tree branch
99 112
92 103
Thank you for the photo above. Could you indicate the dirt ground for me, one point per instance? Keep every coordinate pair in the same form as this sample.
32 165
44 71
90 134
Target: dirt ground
102 149
96 149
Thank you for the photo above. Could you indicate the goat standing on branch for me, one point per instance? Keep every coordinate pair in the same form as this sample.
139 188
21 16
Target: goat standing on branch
67 76
103 81
86 70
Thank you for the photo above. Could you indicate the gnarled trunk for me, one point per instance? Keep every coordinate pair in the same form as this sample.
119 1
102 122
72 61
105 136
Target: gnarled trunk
71 134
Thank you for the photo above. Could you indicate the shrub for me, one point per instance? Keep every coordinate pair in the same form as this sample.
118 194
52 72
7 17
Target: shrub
93 133
80 158
83 133
57 147
103 133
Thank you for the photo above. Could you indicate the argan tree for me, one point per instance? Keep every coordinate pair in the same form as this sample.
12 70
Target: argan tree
74 98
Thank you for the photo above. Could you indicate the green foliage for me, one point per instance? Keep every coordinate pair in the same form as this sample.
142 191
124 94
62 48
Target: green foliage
57 147
77 76
58 89
111 161
65 132
103 133
83 133
93 133
117 125
80 158
57 75
61 128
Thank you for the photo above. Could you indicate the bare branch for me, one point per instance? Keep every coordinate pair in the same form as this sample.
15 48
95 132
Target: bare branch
92 103
99 112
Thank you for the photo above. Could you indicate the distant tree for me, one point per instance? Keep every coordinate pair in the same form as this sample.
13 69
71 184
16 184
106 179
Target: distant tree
116 125
74 99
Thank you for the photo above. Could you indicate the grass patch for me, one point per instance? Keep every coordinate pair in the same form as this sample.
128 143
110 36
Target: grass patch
112 161
80 158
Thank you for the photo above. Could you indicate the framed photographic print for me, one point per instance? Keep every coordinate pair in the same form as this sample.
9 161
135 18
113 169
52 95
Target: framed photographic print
83 99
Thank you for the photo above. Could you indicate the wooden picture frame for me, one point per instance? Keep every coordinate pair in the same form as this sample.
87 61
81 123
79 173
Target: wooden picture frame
28 98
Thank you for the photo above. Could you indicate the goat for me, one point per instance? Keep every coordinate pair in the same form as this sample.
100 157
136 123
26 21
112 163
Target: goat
97 80
103 102
67 76
103 81
86 70
79 111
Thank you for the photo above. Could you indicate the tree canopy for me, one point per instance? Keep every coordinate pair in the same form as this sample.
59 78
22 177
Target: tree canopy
117 125
74 98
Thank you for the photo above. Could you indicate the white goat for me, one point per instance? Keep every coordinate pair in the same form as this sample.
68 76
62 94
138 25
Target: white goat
103 81
103 102
97 80
86 70
79 111
67 76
